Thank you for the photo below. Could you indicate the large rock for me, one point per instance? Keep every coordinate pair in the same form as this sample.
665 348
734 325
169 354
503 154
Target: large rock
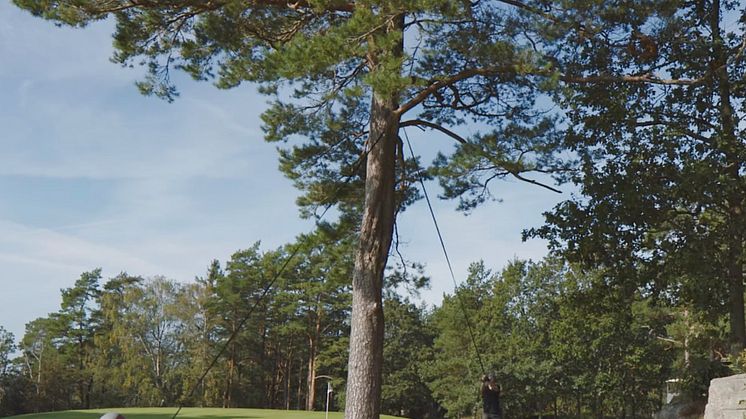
727 398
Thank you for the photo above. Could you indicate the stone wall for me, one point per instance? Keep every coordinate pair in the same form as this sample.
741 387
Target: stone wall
727 398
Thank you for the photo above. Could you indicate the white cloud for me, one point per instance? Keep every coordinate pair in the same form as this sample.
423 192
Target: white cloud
70 137
24 244
37 263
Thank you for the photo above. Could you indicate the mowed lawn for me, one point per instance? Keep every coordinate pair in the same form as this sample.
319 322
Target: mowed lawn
188 413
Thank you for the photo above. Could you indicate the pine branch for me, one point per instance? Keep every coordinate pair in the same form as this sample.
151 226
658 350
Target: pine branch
450 80
114 6
518 176
420 122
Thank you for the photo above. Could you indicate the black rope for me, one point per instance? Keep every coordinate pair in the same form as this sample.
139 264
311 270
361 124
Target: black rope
268 287
233 335
266 290
448 260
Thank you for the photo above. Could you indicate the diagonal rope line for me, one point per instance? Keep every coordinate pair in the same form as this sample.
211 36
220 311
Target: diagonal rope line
448 260
233 335
266 291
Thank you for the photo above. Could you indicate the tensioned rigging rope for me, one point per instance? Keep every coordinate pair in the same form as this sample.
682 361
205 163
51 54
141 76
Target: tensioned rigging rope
448 260
266 290
243 321
268 287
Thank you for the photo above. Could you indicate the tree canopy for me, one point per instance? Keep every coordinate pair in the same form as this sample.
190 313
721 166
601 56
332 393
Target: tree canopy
345 75
661 153
638 103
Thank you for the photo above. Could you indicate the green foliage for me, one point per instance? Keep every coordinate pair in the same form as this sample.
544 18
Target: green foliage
701 342
650 94
408 353
322 61
12 385
147 342
353 77
7 346
514 148
654 124
117 367
456 370
559 340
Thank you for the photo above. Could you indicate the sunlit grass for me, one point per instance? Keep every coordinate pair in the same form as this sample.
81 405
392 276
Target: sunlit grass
187 412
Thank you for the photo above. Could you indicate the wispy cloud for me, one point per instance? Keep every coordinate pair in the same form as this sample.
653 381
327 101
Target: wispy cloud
66 137
36 245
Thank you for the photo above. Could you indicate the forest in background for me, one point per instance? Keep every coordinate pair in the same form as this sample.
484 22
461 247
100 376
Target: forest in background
637 104
562 341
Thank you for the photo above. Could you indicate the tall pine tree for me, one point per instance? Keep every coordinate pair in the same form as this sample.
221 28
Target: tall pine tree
358 72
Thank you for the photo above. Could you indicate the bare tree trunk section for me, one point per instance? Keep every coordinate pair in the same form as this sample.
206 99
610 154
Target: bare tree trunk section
366 336
728 125
311 379
735 282
299 394
288 375
313 354
228 390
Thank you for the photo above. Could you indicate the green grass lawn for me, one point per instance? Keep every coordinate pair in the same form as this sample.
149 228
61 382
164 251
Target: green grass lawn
187 412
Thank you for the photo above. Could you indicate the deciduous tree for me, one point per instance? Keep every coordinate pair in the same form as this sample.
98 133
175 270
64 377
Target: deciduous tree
655 111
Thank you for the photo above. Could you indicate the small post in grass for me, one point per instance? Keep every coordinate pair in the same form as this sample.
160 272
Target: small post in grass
328 391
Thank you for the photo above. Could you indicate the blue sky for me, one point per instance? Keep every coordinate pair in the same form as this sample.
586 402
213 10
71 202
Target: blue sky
92 174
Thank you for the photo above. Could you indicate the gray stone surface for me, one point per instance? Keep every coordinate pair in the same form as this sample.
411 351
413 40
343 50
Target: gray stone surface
727 398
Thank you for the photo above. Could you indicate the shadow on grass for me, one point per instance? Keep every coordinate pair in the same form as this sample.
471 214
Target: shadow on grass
97 415
169 416
61 415
165 413
187 413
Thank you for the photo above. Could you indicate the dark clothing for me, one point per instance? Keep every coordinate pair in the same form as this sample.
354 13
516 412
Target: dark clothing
490 402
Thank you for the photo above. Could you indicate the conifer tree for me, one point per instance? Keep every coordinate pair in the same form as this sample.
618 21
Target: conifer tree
348 76
79 320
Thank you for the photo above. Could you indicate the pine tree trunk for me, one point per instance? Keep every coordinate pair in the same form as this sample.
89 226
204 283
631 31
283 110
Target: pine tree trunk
313 349
311 378
288 375
228 390
735 282
366 336
300 386
734 264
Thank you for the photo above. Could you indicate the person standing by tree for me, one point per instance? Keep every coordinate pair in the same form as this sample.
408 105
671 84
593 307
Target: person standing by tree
490 398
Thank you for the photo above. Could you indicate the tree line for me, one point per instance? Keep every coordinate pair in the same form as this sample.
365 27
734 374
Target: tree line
272 327
637 103
562 341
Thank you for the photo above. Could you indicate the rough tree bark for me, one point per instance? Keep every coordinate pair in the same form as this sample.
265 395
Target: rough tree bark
366 336
313 349
365 360
734 254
